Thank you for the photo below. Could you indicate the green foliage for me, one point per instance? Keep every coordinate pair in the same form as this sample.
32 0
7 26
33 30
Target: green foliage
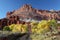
53 23
6 28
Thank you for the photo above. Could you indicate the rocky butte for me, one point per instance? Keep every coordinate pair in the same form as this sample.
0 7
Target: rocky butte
28 13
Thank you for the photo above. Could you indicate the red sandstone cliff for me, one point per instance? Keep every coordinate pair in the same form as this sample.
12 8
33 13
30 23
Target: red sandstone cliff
26 11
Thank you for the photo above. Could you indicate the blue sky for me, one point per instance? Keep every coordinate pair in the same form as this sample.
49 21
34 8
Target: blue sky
10 5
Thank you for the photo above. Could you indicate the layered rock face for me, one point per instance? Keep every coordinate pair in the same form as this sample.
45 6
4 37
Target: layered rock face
26 11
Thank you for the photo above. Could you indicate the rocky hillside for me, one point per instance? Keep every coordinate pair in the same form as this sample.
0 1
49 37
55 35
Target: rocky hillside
27 11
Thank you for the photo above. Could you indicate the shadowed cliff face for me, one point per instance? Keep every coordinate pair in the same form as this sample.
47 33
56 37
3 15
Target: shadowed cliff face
26 11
